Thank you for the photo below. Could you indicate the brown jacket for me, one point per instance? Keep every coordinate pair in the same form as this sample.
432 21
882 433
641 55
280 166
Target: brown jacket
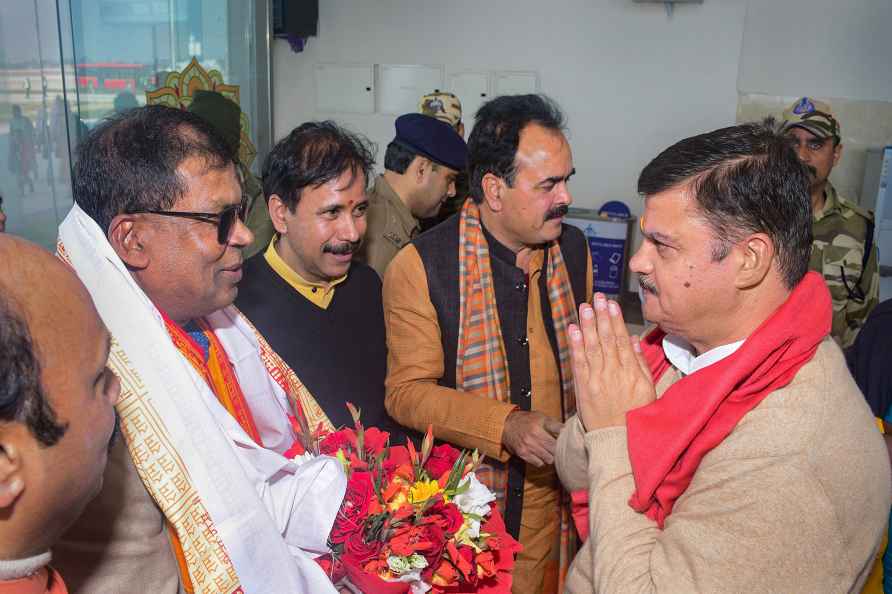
120 543
795 499
421 375
390 227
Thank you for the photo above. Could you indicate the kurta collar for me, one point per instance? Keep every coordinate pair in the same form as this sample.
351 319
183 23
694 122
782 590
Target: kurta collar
500 252
11 569
681 354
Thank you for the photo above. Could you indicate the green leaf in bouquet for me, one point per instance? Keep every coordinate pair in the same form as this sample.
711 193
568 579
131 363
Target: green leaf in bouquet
461 488
342 458
377 469
374 526
455 475
476 460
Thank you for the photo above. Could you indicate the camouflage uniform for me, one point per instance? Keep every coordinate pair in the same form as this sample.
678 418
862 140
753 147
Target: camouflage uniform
445 107
840 232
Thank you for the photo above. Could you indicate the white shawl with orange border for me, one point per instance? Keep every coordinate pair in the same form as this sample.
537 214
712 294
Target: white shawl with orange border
249 519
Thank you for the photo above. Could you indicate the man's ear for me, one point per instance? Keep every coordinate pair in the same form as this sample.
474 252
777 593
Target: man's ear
12 481
278 212
129 239
493 186
755 255
837 153
422 168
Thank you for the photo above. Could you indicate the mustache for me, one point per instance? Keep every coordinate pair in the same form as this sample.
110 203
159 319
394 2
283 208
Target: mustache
557 212
341 249
647 285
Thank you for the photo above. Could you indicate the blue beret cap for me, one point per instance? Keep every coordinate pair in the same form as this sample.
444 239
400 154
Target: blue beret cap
436 140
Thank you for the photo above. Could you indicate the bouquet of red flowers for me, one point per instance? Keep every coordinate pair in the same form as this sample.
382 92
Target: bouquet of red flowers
414 521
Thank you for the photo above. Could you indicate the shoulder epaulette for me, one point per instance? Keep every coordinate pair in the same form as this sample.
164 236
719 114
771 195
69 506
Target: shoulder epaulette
856 208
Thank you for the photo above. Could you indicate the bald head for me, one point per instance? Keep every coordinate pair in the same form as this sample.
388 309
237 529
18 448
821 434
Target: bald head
45 291
56 398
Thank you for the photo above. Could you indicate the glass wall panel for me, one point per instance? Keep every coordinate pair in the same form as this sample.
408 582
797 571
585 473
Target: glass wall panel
34 148
66 64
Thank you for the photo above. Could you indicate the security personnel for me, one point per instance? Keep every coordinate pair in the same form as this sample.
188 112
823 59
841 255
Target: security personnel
420 167
844 250
446 107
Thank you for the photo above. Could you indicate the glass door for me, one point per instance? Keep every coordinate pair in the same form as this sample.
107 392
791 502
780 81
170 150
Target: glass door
67 64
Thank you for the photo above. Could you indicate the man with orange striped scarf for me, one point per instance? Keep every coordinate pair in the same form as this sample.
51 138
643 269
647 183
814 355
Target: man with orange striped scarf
202 497
477 311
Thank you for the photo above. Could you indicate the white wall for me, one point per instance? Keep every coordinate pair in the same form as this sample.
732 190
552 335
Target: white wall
630 79
824 48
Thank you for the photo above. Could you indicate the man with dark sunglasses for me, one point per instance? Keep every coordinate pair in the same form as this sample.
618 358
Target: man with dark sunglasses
224 221
208 475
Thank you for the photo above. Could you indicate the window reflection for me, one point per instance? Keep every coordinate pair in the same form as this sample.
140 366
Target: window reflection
111 52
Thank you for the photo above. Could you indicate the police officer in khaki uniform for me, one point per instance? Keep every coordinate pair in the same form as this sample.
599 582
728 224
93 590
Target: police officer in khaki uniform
844 250
420 167
446 107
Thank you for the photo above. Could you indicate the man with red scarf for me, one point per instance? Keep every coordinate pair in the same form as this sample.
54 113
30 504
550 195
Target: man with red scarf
729 450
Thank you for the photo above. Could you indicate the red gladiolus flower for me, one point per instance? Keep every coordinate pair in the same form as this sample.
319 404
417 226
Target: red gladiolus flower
374 441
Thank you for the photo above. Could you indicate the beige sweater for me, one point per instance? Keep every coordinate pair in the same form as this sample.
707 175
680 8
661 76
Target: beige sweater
794 500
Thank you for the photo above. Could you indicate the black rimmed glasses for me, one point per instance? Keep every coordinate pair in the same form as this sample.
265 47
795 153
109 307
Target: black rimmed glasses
225 220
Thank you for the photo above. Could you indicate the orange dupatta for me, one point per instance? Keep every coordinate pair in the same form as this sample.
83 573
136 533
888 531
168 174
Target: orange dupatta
221 378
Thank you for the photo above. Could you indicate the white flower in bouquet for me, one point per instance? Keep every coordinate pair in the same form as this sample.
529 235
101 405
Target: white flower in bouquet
474 501
409 570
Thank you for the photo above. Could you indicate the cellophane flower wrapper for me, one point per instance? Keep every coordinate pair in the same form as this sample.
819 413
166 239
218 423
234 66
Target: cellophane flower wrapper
413 521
